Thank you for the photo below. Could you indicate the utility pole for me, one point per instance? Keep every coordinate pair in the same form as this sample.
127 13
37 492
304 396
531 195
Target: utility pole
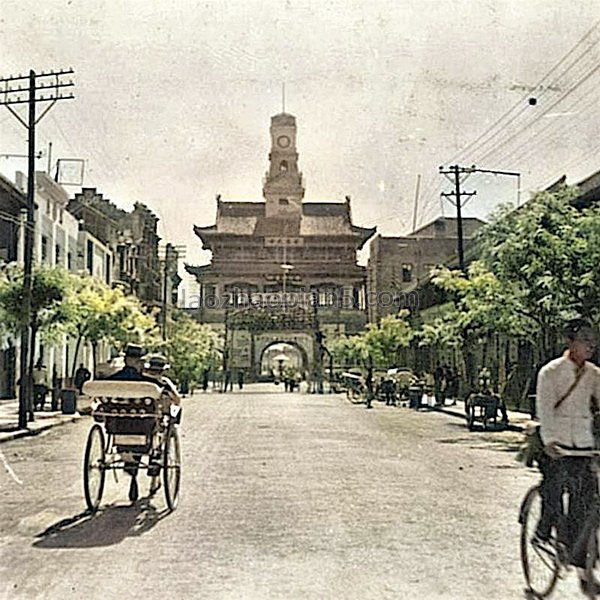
454 174
455 171
50 85
172 255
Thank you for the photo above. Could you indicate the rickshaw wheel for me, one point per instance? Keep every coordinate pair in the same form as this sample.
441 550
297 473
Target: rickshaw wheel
94 468
172 467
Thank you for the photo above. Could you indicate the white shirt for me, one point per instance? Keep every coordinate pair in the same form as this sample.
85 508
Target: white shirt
571 423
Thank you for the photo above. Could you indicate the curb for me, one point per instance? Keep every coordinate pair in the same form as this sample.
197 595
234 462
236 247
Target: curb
21 433
455 413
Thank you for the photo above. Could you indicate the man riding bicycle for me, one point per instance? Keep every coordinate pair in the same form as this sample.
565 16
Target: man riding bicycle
566 398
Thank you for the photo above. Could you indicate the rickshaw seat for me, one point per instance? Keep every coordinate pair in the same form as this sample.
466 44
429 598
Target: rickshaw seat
121 389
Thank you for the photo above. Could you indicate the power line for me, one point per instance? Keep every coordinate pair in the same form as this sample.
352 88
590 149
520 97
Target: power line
473 145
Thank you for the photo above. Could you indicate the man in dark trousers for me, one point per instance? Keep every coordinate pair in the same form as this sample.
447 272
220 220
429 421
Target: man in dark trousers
567 395
81 376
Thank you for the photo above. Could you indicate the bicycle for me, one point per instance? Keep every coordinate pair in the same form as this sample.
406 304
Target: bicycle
544 561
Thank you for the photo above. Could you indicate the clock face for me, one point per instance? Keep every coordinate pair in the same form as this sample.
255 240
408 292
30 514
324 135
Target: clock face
283 141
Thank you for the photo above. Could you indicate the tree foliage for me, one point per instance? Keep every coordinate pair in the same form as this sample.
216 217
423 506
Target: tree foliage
191 348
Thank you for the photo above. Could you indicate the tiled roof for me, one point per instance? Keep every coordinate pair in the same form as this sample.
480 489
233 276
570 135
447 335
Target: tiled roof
278 226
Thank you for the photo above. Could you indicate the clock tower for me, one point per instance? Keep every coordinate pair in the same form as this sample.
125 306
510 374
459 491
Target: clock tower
283 190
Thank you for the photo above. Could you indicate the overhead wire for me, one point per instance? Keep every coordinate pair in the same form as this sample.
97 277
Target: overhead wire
520 105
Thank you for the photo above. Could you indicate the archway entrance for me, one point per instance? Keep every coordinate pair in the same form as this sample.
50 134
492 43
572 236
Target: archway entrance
281 356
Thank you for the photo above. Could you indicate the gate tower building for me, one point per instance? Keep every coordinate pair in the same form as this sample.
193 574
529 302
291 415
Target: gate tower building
283 256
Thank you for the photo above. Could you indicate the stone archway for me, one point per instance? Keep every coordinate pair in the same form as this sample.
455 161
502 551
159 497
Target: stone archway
279 355
302 342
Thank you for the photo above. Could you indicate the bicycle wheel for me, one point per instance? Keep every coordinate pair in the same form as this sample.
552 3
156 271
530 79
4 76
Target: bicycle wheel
539 560
172 467
592 562
94 468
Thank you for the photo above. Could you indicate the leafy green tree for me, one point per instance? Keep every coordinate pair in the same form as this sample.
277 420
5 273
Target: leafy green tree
98 312
191 348
378 345
48 317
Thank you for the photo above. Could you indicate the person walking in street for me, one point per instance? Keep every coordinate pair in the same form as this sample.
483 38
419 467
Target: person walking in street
567 395
40 385
81 376
240 379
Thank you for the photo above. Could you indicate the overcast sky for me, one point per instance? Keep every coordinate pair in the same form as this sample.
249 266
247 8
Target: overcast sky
174 98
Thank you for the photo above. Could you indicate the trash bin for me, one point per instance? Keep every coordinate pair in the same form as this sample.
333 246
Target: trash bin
414 396
68 401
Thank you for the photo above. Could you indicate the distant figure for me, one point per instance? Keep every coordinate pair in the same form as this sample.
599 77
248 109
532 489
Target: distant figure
81 376
228 382
134 364
439 384
40 385
205 380
369 384
240 379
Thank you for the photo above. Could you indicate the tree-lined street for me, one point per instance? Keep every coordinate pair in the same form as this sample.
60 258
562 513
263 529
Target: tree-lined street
283 496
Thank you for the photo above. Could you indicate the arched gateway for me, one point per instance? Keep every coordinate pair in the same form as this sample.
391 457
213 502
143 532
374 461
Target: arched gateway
252 330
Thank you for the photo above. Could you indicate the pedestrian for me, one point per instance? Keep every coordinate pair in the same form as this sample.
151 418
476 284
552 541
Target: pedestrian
205 380
240 379
40 385
81 376
369 386
439 383
567 395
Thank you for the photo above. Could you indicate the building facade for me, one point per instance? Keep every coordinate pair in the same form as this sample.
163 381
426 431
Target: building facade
398 265
282 254
131 237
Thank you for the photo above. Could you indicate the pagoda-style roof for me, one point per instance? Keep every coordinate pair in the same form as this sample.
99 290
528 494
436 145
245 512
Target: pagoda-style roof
322 219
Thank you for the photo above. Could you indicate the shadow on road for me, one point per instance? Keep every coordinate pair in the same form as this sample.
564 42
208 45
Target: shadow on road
108 526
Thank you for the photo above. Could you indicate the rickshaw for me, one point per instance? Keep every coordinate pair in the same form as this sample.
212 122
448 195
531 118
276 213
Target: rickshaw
483 408
135 429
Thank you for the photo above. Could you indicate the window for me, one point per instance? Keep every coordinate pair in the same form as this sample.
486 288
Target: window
107 274
283 202
407 272
283 166
69 261
57 255
44 248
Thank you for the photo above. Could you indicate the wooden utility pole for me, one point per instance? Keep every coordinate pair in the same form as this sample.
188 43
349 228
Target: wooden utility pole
12 90
454 174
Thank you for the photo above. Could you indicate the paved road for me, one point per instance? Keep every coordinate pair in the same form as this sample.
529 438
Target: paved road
284 496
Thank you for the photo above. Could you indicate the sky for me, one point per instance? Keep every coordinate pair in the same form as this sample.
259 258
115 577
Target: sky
174 99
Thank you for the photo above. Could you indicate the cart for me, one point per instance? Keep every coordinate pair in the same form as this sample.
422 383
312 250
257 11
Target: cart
135 430
482 408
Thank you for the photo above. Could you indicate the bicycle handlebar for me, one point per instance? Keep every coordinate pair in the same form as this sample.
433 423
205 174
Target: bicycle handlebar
575 452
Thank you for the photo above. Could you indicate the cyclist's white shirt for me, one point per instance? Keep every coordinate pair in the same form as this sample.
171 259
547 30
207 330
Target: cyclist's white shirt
571 423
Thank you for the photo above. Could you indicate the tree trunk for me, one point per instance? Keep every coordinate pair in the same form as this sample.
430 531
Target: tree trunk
76 354
94 358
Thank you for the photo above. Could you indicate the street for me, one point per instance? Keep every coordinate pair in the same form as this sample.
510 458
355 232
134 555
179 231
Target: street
286 496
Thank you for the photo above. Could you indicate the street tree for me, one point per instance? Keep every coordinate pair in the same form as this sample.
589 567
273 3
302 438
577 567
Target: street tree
48 318
191 349
98 312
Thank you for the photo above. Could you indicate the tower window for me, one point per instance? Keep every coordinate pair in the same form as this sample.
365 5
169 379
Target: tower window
283 202
283 166
407 272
